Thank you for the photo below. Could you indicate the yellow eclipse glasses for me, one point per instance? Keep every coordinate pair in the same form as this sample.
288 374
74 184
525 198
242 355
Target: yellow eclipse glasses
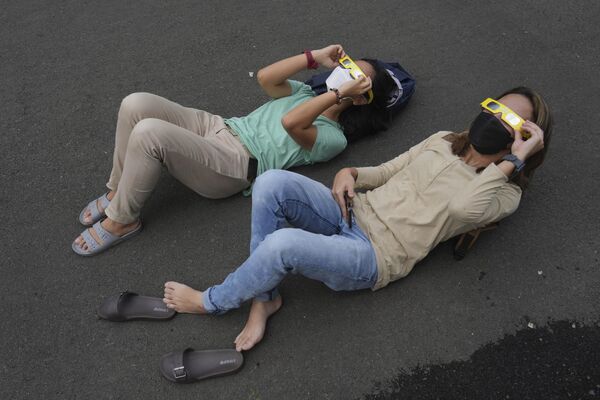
509 116
347 63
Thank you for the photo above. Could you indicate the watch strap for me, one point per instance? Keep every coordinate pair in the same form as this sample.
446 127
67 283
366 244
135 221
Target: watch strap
518 163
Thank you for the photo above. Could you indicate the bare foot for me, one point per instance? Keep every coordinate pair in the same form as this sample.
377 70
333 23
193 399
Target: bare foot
87 215
111 226
254 330
183 298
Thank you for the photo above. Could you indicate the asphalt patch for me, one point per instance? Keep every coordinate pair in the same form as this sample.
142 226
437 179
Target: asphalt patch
552 362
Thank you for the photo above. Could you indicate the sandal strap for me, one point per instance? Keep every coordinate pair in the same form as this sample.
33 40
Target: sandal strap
92 206
114 312
90 240
103 234
104 201
179 371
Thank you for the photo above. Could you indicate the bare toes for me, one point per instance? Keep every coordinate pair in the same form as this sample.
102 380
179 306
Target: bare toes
247 345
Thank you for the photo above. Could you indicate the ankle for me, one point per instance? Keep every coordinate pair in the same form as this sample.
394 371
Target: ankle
117 227
268 306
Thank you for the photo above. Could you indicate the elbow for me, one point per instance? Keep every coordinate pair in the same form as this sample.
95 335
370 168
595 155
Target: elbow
261 77
461 211
288 124
297 133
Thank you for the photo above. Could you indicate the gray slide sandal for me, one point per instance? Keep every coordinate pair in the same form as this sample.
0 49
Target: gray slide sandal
191 365
107 240
127 305
97 215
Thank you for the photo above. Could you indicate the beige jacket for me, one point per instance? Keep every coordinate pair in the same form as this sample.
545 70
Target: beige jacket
423 197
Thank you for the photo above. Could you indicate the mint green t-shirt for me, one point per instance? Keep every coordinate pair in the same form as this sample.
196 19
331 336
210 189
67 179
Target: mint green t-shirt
264 136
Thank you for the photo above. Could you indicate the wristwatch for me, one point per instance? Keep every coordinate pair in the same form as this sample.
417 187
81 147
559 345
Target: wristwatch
519 165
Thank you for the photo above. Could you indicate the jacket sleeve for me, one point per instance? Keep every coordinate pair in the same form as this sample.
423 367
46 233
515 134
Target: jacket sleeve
373 177
486 199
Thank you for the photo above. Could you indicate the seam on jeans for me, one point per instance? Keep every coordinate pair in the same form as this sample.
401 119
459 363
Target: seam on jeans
336 228
350 277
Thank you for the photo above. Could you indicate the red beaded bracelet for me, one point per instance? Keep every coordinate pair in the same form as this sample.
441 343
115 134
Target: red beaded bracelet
312 64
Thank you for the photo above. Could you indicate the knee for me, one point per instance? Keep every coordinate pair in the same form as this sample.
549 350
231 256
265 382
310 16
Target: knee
136 103
270 183
281 244
146 133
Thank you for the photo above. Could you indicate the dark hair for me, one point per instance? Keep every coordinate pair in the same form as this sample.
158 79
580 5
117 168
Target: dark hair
364 120
542 117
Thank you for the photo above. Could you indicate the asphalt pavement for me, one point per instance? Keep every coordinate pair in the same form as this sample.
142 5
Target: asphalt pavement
65 66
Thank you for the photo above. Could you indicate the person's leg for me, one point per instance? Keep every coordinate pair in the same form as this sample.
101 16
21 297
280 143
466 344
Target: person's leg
344 261
138 106
281 197
214 166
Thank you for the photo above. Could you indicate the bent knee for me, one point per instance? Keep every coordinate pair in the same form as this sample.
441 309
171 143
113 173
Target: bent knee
270 181
282 240
272 176
137 103
149 131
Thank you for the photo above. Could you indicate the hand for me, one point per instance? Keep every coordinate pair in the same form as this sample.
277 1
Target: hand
523 149
329 56
343 183
355 87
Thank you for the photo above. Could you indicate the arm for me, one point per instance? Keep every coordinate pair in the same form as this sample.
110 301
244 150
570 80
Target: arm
344 183
347 179
523 149
489 197
373 177
298 122
273 78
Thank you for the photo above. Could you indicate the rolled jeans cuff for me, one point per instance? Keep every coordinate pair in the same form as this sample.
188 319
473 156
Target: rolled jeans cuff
267 296
208 304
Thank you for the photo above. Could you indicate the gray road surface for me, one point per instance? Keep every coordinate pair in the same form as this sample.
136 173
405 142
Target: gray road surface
65 66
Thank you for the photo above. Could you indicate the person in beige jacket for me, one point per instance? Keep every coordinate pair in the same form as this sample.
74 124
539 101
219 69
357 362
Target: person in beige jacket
446 185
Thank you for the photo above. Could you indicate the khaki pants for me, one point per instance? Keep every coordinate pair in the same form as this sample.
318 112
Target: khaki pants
196 147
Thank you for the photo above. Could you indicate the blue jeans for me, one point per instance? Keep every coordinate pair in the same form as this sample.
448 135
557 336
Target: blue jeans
320 245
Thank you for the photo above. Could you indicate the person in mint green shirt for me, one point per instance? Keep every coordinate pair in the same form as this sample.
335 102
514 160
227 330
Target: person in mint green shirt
219 157
263 133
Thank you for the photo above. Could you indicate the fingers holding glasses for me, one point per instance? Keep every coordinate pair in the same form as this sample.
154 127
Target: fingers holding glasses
532 145
329 56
